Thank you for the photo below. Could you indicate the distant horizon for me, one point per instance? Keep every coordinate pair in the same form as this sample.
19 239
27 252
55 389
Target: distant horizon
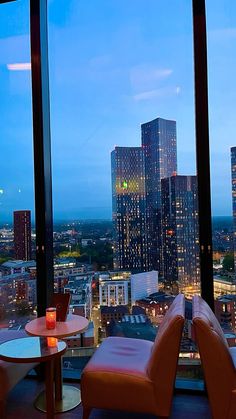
68 219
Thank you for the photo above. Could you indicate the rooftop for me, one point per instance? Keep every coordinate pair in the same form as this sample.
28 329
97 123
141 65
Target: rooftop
17 264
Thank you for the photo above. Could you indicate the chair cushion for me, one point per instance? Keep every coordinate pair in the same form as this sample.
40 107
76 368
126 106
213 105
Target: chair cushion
116 378
122 356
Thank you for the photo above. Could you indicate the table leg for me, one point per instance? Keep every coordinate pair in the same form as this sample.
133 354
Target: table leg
67 397
49 381
58 378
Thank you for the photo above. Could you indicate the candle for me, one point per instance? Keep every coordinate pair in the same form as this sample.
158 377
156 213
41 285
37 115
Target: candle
52 342
51 318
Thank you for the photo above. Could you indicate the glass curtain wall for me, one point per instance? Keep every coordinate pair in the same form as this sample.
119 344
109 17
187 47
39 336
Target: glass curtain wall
126 237
17 231
222 97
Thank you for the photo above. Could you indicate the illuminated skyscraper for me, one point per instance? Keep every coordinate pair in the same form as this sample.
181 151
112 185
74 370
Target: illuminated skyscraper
233 177
160 158
180 233
128 208
22 235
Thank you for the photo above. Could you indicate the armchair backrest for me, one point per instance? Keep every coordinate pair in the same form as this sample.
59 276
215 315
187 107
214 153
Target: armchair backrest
216 359
162 364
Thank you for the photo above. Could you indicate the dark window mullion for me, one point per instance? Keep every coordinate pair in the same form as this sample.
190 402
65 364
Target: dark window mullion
202 150
42 153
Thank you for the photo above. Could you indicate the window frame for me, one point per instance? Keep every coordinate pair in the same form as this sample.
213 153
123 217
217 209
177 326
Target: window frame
42 151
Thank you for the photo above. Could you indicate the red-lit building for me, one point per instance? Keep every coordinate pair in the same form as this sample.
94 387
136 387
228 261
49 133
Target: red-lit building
22 235
225 311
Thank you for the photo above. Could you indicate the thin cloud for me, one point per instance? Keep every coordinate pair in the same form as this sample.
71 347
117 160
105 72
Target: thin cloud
155 93
19 67
145 76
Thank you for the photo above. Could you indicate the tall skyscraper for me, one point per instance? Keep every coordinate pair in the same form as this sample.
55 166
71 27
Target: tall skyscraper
22 235
128 208
180 233
233 178
160 158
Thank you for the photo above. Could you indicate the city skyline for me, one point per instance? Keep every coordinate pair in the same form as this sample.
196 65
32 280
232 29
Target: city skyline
155 210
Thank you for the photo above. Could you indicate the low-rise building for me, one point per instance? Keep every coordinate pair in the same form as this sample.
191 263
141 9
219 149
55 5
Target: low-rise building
155 305
225 311
11 267
113 293
143 284
224 285
80 288
109 314
86 340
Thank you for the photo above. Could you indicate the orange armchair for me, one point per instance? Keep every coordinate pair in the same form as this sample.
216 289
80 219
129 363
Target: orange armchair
133 374
218 361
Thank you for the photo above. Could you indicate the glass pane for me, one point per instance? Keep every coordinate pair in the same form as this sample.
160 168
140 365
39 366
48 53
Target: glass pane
17 231
124 176
222 96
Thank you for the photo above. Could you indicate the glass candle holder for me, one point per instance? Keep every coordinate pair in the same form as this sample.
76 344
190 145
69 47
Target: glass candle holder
51 314
52 342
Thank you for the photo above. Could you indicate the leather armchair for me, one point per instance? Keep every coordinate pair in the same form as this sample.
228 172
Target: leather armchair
133 374
218 361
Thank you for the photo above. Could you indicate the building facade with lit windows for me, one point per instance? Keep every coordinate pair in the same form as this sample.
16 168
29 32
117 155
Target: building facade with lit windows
225 311
180 233
128 208
160 158
113 293
22 235
224 285
143 284
233 178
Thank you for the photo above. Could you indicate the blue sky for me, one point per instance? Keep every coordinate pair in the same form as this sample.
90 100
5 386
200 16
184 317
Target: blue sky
113 65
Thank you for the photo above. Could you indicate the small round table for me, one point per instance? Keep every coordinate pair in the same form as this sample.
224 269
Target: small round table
35 349
66 397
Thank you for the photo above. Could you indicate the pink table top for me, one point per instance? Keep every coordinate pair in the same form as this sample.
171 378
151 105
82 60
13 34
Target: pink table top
73 325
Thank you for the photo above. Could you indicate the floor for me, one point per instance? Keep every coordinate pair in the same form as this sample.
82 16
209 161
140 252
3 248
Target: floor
20 406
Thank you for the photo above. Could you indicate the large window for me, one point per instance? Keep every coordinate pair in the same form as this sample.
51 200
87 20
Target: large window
222 96
124 172
17 234
125 193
